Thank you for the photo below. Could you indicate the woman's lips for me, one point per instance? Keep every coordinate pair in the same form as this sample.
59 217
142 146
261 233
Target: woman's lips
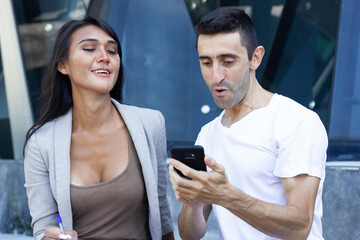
102 72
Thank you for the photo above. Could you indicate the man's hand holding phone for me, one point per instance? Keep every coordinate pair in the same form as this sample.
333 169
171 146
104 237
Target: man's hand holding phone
191 156
205 187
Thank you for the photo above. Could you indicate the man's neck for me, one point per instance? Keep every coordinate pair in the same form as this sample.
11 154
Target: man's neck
255 98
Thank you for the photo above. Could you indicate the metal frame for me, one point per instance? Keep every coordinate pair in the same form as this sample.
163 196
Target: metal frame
20 114
277 47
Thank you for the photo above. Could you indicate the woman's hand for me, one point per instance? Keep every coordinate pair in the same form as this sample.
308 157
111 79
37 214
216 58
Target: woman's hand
54 233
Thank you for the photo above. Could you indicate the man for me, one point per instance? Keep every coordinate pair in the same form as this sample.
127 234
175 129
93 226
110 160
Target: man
265 153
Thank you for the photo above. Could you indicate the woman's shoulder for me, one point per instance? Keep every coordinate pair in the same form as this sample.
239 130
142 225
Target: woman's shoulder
46 131
142 112
40 139
142 109
149 117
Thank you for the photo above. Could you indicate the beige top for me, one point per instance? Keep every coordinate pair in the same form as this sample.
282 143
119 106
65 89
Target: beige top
114 209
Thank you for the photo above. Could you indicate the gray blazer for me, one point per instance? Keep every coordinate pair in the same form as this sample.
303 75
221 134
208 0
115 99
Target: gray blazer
47 169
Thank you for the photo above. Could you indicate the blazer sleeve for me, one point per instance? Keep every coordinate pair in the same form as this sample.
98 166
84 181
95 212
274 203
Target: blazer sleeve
161 152
43 208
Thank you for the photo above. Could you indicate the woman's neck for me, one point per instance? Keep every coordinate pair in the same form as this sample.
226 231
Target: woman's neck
94 114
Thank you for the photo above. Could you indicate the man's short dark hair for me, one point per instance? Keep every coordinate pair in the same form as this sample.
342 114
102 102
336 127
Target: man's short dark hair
228 20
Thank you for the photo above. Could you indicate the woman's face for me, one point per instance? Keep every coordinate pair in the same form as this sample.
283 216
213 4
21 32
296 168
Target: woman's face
93 62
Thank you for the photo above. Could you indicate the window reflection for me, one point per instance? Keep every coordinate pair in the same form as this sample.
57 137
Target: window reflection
299 39
299 36
38 22
5 136
345 112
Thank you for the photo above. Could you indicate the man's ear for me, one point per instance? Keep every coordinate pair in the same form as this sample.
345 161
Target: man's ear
61 67
257 57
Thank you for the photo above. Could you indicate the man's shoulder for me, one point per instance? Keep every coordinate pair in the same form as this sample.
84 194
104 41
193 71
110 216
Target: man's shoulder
292 116
290 109
286 102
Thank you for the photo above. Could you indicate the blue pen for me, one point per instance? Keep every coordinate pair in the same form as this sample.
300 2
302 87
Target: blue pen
60 223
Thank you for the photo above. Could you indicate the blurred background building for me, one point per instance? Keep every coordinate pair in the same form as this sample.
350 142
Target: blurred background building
312 56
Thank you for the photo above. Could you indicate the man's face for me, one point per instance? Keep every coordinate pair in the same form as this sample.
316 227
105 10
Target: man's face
225 66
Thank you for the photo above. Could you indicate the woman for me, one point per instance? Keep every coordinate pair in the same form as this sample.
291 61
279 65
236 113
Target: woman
98 163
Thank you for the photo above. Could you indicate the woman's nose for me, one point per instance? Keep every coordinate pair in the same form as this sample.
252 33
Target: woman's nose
103 56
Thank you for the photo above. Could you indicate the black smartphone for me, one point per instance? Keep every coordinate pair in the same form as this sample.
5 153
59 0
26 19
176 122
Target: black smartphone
192 156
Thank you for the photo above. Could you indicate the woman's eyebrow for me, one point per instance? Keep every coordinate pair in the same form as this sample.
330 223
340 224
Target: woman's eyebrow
113 42
88 40
96 40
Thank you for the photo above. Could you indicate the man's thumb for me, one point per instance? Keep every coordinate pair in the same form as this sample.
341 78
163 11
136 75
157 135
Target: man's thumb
210 162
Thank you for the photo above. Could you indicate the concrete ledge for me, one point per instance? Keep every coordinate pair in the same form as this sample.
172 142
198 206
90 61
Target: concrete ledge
14 237
14 211
341 219
341 196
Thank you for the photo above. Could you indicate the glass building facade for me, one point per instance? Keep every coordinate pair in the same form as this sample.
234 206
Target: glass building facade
5 136
312 56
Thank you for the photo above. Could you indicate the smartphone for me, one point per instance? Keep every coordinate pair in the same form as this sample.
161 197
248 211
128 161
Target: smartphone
191 156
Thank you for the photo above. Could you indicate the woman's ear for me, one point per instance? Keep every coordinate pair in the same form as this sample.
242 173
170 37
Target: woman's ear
61 67
257 57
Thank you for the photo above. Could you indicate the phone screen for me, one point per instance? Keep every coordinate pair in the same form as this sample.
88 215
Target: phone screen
192 156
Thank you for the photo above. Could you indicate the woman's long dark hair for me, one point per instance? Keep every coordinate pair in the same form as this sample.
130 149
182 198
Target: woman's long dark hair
56 97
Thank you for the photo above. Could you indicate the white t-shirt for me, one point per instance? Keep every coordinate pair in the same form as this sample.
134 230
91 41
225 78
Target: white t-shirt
281 140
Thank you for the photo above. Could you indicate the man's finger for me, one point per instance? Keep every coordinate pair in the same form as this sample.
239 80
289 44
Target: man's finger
181 199
187 171
211 163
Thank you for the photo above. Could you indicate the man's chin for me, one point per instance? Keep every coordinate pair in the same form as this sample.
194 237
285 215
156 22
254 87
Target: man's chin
222 105
225 104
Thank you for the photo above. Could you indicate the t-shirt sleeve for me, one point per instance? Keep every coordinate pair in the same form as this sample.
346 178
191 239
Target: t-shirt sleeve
302 144
200 136
198 141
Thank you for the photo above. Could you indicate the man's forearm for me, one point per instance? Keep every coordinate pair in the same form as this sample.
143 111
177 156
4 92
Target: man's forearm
285 222
192 223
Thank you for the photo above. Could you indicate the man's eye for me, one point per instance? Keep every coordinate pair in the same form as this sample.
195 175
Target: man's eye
206 63
227 63
89 49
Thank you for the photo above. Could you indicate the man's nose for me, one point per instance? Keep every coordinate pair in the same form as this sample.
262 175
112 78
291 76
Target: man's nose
218 74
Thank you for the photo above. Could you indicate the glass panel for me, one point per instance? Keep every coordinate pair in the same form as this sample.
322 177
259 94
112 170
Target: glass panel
299 39
161 64
264 13
345 112
163 71
38 21
6 151
159 72
346 98
301 66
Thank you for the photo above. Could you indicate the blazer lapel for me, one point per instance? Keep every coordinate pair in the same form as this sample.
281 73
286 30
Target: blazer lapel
138 135
62 141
